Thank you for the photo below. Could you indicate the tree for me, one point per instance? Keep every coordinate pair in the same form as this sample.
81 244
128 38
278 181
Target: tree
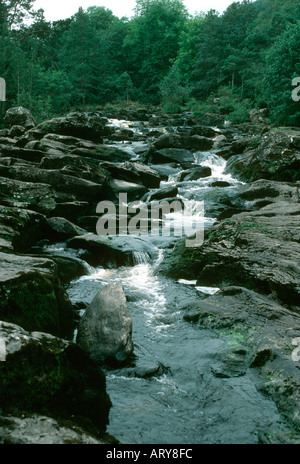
282 66
152 43
173 93
13 12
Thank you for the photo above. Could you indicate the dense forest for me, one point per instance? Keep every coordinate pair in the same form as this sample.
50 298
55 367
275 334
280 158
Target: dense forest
224 63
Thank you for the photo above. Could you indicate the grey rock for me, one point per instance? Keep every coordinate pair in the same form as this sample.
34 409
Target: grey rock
19 116
276 158
32 295
56 379
195 173
42 430
60 229
90 126
105 330
111 251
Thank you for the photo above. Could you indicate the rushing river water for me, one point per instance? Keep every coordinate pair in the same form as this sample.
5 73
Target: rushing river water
172 395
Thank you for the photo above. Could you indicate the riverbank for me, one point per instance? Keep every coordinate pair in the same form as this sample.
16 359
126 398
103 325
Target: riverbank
53 265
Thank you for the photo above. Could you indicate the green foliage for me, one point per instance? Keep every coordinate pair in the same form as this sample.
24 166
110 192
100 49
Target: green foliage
245 58
152 44
173 94
283 64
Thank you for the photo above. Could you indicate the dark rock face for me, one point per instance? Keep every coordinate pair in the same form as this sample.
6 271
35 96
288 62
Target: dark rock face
19 228
61 182
243 249
111 251
105 330
90 126
188 142
148 176
19 116
167 192
133 172
277 157
181 156
203 131
59 229
195 173
32 295
33 196
57 378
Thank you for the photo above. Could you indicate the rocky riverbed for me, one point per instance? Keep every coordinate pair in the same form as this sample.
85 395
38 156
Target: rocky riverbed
68 296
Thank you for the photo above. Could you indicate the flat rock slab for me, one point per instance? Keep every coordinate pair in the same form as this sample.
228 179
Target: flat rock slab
29 195
260 335
259 250
112 251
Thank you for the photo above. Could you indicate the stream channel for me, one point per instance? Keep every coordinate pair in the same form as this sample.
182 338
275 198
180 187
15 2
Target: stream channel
172 395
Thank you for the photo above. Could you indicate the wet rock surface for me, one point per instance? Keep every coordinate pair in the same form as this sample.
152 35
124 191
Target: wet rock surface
105 329
52 176
56 378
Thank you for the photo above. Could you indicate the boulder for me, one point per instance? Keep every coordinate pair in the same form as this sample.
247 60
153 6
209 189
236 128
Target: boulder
27 195
19 229
133 172
81 189
43 430
203 131
26 154
259 116
59 161
263 192
59 229
105 329
133 191
32 295
275 158
184 158
120 172
166 170
56 378
148 176
103 153
166 192
111 251
195 173
188 142
19 116
16 131
258 250
90 126
71 210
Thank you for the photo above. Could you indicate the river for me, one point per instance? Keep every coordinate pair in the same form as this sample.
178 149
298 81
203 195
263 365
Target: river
172 395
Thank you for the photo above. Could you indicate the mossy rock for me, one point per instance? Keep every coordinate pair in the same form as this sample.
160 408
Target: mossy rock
32 295
56 378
